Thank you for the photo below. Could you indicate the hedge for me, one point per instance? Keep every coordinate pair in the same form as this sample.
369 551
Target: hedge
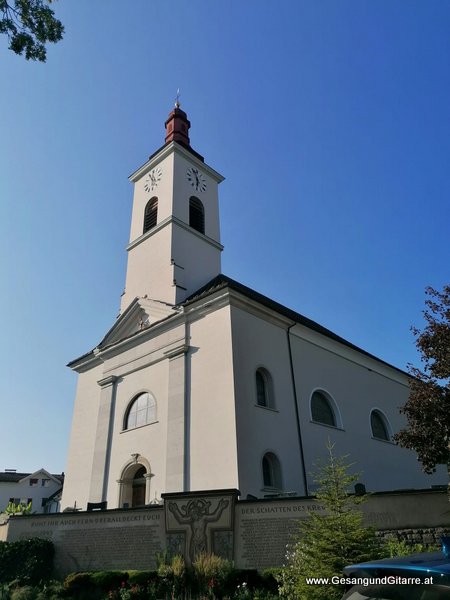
27 561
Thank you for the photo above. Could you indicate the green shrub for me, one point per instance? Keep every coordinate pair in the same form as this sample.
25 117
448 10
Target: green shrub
212 574
18 509
162 558
395 547
108 580
150 581
119 585
264 595
27 561
77 581
4 591
240 582
249 584
141 577
270 579
52 590
169 580
135 591
178 575
24 593
178 566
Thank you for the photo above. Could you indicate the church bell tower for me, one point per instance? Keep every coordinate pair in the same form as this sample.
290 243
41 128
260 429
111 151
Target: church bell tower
174 245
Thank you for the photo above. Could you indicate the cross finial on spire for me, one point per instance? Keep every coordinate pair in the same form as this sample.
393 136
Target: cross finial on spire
177 124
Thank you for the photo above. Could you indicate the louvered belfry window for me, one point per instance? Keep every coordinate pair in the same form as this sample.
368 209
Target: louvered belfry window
196 214
151 214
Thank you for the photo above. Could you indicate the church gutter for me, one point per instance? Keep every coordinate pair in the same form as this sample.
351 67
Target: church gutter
299 431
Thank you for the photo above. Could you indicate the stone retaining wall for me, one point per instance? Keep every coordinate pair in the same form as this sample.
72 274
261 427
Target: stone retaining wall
253 533
428 537
97 541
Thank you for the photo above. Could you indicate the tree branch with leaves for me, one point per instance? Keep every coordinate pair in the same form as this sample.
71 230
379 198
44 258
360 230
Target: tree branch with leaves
427 409
29 26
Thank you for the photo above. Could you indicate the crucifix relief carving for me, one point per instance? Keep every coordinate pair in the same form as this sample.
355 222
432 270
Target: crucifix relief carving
199 518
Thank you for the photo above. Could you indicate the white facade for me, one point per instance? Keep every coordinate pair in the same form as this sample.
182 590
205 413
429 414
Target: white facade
212 388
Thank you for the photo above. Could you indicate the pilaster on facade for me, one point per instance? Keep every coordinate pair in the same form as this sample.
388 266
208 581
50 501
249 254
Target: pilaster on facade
177 414
103 440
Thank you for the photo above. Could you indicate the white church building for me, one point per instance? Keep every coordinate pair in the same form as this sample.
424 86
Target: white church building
203 383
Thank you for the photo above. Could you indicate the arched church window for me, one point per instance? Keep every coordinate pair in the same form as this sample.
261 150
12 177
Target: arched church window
196 214
141 411
322 410
271 471
379 426
264 395
150 214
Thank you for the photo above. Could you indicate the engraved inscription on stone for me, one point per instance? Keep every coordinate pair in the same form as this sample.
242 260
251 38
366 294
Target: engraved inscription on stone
104 540
265 531
264 545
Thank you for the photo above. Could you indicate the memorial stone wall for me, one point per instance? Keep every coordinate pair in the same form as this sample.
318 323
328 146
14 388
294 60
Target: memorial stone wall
94 541
253 533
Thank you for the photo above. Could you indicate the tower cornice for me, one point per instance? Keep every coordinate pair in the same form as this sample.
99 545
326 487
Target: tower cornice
169 221
166 150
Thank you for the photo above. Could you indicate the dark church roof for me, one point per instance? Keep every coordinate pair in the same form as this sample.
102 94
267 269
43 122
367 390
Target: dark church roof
222 281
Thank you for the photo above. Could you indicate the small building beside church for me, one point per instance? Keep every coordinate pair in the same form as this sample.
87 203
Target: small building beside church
203 383
41 489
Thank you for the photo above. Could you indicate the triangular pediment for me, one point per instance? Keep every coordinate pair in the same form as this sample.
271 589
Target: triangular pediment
141 314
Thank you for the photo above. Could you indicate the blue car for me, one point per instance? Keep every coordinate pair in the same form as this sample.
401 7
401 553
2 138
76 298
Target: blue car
416 577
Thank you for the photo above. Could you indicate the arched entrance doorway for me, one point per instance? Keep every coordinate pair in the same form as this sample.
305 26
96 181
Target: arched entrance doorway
134 485
138 488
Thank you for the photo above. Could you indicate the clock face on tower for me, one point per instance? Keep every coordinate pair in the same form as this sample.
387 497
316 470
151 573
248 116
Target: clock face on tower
196 179
152 179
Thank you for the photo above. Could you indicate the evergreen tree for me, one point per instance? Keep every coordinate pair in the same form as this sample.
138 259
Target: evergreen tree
331 540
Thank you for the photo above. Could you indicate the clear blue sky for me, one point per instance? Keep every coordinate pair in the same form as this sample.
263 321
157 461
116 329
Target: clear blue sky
329 120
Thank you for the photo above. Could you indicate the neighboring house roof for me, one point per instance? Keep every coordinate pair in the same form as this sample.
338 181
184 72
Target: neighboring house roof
15 477
221 282
12 477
